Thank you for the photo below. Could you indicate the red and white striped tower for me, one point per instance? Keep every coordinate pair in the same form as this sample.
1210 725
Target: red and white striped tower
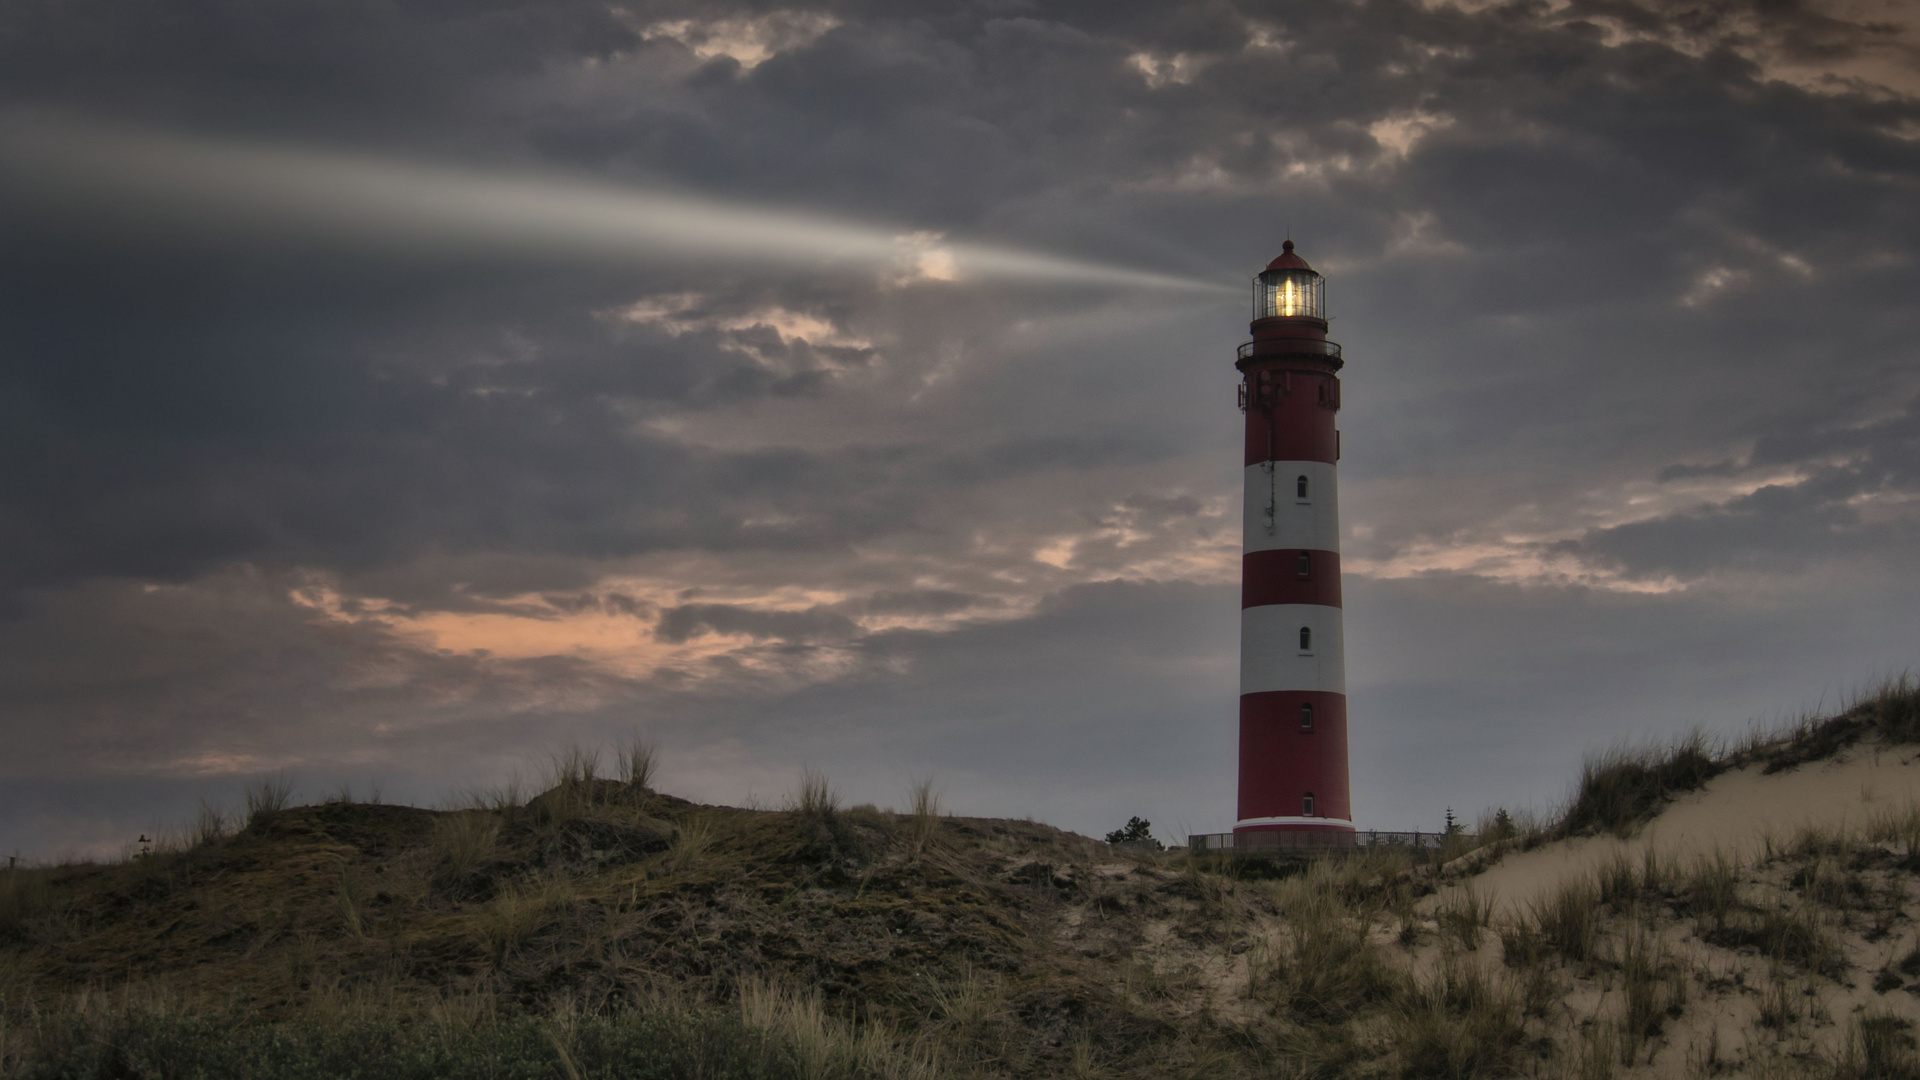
1293 683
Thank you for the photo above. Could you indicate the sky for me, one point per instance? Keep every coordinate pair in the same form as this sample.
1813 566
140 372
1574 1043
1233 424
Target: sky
395 394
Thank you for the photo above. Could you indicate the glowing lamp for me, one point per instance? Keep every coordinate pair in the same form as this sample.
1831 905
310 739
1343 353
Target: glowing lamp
1289 289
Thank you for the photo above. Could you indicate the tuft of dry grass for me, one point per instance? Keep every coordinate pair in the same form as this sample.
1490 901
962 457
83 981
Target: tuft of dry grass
572 787
1598 1042
822 1045
1653 988
1710 890
267 797
923 812
1782 1001
1330 970
1462 914
1879 1046
26 894
210 826
1460 1023
691 839
639 762
519 912
815 797
969 1003
463 840
1793 934
351 898
1568 921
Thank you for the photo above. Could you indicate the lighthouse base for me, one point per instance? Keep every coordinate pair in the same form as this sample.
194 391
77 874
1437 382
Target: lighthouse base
1293 832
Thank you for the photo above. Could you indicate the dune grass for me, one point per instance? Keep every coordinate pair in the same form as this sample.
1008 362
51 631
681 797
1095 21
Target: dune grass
601 928
1624 786
141 1035
815 796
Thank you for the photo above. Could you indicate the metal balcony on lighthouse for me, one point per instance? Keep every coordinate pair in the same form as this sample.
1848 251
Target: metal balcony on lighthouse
1290 312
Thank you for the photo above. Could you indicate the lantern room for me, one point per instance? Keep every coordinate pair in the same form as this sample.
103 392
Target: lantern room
1289 289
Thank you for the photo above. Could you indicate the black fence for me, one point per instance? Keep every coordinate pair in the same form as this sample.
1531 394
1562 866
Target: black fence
1319 841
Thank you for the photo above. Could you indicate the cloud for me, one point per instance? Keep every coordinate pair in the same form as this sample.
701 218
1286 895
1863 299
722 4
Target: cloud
1855 495
747 40
694 620
550 419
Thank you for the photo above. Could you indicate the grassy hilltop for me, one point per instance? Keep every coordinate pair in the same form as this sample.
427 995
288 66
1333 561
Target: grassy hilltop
603 929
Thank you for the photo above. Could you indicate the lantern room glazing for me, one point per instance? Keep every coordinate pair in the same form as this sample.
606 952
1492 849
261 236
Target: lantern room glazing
1290 294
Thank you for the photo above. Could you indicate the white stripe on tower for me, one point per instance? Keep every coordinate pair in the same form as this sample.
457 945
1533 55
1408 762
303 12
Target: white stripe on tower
1276 515
1271 657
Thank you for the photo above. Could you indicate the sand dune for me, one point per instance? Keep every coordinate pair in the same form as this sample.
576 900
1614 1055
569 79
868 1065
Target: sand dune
1735 812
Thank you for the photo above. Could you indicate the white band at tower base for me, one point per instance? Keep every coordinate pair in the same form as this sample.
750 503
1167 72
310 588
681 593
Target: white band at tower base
1322 822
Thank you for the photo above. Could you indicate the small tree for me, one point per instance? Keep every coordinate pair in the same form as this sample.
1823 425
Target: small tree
1503 827
1138 831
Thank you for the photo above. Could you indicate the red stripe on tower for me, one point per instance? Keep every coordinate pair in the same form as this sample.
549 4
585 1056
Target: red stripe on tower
1293 683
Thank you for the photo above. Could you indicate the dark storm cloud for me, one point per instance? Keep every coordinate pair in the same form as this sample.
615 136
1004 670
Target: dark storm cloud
692 620
1849 501
1614 252
168 415
919 602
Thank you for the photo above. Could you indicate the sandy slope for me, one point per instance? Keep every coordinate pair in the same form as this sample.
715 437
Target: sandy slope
1732 813
1749 815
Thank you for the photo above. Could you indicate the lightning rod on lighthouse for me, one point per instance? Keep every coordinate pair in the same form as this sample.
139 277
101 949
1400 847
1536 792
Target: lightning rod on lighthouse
1293 687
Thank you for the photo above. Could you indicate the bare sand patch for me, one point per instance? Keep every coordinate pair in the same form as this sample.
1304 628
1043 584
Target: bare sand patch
1736 812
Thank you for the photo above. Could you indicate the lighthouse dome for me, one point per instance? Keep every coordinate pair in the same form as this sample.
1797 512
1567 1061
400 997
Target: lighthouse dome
1288 260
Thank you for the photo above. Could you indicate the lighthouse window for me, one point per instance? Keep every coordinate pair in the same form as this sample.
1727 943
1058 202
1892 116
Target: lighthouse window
1306 639
1306 804
1305 564
1306 716
1300 488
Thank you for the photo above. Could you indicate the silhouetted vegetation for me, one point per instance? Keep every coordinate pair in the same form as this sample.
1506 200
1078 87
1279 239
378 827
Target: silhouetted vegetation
1625 786
600 928
1135 831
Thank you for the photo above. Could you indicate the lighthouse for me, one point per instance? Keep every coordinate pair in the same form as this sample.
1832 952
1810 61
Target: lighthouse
1293 684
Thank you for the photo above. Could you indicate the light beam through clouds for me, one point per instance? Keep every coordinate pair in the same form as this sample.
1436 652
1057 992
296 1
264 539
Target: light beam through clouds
388 466
290 191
